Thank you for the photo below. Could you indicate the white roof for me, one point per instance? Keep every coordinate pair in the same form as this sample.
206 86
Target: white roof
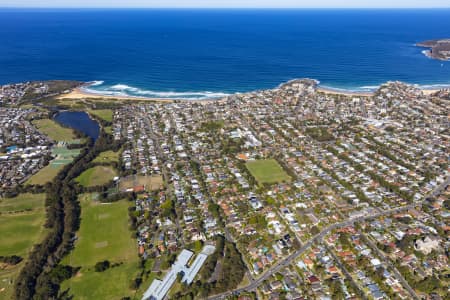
158 289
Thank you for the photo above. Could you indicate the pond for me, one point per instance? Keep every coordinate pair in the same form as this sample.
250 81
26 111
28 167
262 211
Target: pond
79 121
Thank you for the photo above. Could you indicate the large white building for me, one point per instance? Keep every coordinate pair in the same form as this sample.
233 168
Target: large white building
159 289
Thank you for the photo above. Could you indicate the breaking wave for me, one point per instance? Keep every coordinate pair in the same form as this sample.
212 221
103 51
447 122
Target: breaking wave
369 87
98 87
96 82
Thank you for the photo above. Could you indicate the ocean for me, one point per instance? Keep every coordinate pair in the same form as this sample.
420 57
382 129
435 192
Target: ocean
206 53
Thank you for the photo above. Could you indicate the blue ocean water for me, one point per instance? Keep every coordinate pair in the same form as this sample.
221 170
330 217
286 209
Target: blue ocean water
199 53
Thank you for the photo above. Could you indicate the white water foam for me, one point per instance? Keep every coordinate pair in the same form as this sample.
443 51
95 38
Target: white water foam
126 90
96 83
433 86
369 87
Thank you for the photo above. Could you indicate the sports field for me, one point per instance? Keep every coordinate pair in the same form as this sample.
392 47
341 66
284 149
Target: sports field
49 172
107 157
112 284
21 226
103 235
267 171
53 130
21 223
98 175
105 114
150 183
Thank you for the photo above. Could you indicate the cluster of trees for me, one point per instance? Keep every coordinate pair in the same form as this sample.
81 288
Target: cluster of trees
168 261
230 146
210 264
11 260
336 288
320 134
95 104
428 285
168 209
246 173
20 189
102 266
259 221
233 270
212 126
34 280
285 167
135 283
230 276
37 280
106 197
55 87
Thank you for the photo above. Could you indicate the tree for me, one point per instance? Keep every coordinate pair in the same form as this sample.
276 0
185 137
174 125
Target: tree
102 266
315 230
135 283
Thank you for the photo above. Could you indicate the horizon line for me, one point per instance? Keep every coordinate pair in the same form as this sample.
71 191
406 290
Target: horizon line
220 8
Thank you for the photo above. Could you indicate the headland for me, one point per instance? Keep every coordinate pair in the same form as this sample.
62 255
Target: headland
438 49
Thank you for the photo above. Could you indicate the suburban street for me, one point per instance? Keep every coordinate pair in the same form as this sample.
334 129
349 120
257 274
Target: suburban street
289 259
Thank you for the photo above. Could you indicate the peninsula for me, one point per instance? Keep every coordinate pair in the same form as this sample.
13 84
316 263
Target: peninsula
439 49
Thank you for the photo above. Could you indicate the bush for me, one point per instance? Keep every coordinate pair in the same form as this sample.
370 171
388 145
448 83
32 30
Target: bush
11 260
135 283
102 266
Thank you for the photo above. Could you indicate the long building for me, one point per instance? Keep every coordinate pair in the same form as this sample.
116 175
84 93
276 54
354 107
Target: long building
159 289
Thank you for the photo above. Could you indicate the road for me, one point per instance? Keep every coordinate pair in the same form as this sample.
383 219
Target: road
346 273
388 263
289 259
155 136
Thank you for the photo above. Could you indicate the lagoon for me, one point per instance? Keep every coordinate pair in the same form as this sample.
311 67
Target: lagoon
79 121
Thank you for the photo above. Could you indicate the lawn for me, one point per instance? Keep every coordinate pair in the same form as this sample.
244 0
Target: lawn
98 175
103 235
49 172
7 277
112 284
150 183
21 223
267 171
19 231
46 174
107 157
105 114
108 129
21 203
53 130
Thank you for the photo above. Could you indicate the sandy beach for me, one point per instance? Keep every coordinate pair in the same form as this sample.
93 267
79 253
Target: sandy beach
80 93
365 94
331 91
428 92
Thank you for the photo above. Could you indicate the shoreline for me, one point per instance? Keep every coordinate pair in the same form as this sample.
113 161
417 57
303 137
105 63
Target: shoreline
82 93
336 91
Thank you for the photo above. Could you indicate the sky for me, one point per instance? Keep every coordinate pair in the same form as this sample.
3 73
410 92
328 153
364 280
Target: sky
230 3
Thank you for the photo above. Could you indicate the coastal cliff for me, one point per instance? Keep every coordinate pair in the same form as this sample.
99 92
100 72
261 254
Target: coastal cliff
439 49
